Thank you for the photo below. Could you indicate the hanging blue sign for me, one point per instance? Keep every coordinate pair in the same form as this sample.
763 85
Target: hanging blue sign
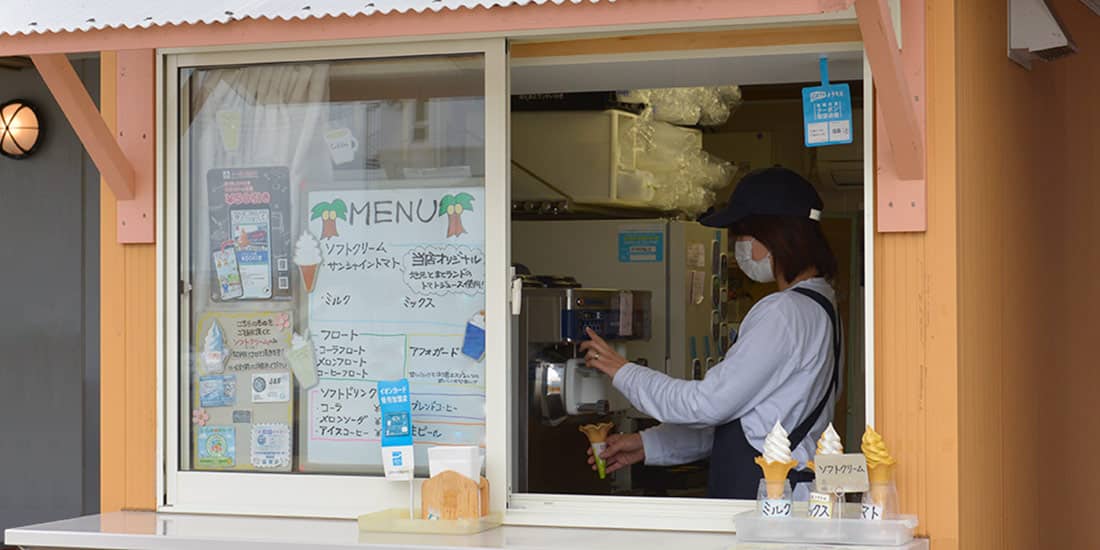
827 111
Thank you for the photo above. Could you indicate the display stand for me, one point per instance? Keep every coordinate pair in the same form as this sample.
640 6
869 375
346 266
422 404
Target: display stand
396 520
753 527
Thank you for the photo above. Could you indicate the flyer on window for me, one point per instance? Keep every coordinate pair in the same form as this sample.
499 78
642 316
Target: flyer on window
250 233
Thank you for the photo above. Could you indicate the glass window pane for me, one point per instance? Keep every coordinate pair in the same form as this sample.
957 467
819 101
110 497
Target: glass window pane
333 223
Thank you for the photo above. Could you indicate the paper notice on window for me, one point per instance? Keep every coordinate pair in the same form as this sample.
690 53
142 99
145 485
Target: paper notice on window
698 287
270 445
271 388
697 255
626 313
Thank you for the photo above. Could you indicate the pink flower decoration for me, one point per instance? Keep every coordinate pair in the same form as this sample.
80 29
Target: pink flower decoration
200 417
283 321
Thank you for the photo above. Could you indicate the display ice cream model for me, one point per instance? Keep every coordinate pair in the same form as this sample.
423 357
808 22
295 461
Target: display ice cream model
776 462
597 438
828 444
307 256
881 501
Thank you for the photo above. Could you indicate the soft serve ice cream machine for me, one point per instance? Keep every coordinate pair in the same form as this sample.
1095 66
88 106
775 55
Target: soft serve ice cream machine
558 392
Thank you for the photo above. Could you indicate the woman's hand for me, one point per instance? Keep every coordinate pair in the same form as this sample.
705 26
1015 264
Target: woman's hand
622 450
600 355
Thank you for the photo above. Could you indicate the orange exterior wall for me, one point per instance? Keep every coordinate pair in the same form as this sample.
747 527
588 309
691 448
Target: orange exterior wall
1003 301
1029 150
916 330
1065 192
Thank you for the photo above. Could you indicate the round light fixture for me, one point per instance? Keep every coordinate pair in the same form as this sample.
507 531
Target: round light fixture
20 129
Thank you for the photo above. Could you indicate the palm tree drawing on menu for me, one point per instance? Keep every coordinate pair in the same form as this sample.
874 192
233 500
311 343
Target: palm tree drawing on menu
453 206
328 212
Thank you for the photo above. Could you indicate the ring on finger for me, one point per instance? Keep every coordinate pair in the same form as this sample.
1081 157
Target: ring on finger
596 356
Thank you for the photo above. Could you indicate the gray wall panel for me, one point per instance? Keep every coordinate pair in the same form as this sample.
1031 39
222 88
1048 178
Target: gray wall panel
49 337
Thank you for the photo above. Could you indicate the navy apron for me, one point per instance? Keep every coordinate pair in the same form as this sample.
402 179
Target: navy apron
733 471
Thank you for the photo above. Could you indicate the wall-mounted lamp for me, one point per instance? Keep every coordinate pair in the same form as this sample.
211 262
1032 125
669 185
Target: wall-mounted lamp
20 129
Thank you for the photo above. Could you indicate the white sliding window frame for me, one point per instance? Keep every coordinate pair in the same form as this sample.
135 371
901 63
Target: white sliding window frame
347 496
296 494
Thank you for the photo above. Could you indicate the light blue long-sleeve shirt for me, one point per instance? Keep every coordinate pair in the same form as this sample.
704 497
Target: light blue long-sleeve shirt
779 368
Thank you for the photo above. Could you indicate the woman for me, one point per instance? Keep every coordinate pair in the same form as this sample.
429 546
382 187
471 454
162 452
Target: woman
784 366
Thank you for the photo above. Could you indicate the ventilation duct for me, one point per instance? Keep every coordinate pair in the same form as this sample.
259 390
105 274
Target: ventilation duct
1035 32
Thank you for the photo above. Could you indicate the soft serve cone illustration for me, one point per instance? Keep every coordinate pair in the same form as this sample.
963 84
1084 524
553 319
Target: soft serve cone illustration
777 461
828 444
214 355
307 255
597 438
880 465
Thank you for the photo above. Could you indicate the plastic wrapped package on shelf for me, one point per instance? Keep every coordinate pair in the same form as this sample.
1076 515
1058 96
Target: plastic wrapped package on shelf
731 94
691 200
715 110
637 186
714 173
662 165
679 106
704 106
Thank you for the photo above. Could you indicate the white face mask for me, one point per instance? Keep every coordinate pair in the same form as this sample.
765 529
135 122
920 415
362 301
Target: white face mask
757 270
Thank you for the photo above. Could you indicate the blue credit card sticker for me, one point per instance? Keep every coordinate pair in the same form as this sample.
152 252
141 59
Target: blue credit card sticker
393 398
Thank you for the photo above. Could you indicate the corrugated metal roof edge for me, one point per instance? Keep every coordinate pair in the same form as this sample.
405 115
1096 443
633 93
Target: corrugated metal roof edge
494 5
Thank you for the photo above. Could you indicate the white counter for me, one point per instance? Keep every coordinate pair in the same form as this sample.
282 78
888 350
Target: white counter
152 531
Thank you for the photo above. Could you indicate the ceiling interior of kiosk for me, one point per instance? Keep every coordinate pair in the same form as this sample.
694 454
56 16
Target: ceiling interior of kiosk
669 70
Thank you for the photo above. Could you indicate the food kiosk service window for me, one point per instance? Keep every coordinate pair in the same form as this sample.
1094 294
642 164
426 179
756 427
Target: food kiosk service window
332 218
331 235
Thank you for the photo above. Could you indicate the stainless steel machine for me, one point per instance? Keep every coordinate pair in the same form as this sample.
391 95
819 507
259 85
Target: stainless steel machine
558 392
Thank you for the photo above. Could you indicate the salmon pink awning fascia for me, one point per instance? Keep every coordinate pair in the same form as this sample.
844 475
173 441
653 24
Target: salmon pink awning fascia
455 18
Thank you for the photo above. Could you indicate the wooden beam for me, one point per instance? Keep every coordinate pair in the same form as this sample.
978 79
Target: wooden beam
84 117
681 41
893 90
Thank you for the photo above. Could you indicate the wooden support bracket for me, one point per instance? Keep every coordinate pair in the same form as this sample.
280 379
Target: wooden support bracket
900 113
83 116
127 163
136 77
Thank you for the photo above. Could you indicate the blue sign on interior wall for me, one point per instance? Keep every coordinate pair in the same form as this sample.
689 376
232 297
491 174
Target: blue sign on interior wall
827 111
641 246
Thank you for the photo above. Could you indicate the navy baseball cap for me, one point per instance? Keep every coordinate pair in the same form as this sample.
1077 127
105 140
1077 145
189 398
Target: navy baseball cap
768 192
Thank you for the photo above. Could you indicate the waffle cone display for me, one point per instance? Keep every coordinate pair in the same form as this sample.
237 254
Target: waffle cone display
775 475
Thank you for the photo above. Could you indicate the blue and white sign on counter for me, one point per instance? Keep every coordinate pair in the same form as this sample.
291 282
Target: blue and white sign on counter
827 112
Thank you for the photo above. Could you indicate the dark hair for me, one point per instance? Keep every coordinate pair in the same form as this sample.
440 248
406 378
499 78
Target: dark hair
796 244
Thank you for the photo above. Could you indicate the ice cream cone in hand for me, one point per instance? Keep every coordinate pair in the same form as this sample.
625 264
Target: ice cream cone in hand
776 461
597 438
307 255
880 465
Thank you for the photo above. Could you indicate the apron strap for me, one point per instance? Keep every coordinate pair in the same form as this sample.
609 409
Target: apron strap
803 429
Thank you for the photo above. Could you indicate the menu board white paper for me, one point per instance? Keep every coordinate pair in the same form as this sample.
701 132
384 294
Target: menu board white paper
402 273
